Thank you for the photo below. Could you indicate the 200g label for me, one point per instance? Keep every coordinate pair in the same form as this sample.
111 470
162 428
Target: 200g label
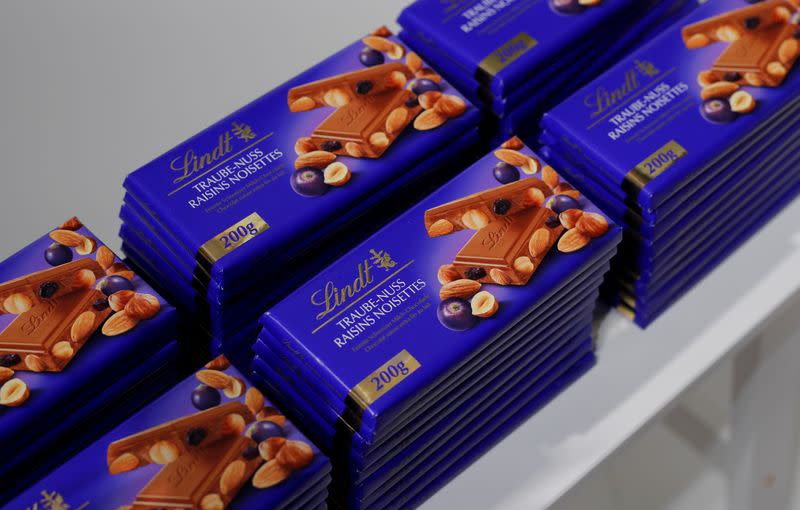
387 375
239 234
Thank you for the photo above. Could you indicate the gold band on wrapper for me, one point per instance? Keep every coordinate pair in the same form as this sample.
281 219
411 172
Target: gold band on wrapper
386 377
510 51
655 164
233 237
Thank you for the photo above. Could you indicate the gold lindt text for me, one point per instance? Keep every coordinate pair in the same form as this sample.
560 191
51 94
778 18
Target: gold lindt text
604 99
191 163
332 297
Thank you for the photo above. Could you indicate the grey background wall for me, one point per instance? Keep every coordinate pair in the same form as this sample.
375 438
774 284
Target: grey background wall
92 89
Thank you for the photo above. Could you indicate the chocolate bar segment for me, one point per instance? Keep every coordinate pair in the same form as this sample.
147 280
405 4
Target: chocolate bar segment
43 338
206 477
165 443
732 26
761 58
21 294
509 249
479 209
367 126
339 90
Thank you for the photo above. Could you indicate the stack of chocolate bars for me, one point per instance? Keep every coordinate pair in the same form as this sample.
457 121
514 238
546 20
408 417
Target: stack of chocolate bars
411 355
517 59
212 442
690 142
238 215
83 343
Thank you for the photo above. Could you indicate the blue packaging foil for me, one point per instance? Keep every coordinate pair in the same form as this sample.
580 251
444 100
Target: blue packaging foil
642 121
501 43
90 361
226 193
402 260
85 479
111 406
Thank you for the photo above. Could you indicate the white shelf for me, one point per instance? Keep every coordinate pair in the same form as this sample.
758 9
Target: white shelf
640 373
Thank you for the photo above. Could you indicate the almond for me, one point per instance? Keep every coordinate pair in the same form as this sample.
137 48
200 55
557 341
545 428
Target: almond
429 119
219 363
67 238
119 323
788 50
304 145
776 70
533 197
500 277
270 474
706 78
163 452
269 448
396 80
440 228
474 219
235 389
82 327
302 104
572 240
88 246
35 363
353 149
71 224
518 159
234 424
753 79
550 176
124 463
5 374
484 304
14 393
382 31
573 193
17 303
314 159
396 120
212 501
428 100
254 400
539 243
214 378
513 143
447 273
62 351
379 140
592 225
462 288
719 89
267 411
277 419
727 33
378 43
336 97
120 269
450 106
232 477
295 455
84 279
413 62
142 306
570 217
337 174
119 299
105 257
562 188
428 74
524 265
697 41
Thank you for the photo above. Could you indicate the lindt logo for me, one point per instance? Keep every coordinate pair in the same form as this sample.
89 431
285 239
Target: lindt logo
603 98
495 237
37 319
191 161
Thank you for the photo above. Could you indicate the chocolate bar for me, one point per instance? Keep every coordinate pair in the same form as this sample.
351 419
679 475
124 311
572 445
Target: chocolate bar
206 477
21 294
477 210
509 249
46 337
734 25
762 57
165 443
366 126
339 90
